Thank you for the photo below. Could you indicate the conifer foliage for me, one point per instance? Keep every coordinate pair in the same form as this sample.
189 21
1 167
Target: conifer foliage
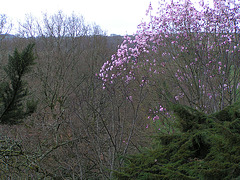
14 106
205 147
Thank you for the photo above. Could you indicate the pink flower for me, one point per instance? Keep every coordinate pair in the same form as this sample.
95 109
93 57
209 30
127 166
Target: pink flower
156 118
130 98
209 95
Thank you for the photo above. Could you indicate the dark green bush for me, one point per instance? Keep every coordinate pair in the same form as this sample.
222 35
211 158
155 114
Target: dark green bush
206 147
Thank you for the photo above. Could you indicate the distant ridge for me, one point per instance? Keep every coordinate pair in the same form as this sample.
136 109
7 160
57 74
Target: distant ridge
7 36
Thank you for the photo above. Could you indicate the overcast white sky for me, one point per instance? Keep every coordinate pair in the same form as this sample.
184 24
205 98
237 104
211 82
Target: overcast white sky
114 16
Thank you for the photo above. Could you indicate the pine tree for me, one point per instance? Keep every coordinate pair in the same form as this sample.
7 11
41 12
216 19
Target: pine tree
205 147
14 106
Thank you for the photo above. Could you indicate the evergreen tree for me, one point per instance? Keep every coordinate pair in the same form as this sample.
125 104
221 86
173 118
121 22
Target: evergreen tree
205 147
14 106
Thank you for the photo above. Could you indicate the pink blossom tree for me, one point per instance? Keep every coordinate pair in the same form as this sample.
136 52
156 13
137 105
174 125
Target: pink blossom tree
185 54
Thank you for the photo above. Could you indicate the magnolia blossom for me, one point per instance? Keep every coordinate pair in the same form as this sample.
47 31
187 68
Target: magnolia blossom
196 48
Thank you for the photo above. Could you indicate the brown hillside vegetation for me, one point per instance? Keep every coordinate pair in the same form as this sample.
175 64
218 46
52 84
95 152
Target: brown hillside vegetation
79 130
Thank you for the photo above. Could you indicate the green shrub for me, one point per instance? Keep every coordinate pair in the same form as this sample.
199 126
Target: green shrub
206 147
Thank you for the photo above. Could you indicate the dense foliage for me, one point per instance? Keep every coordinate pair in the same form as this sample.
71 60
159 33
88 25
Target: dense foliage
205 147
88 124
186 54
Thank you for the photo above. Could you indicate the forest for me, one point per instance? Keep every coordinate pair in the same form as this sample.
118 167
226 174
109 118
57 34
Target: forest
163 103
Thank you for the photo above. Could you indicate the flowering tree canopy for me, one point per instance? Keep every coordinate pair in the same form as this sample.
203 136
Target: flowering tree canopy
190 53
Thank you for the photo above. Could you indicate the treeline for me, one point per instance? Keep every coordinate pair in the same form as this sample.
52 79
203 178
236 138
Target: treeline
77 130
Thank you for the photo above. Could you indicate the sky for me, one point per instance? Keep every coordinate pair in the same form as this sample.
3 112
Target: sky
113 16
